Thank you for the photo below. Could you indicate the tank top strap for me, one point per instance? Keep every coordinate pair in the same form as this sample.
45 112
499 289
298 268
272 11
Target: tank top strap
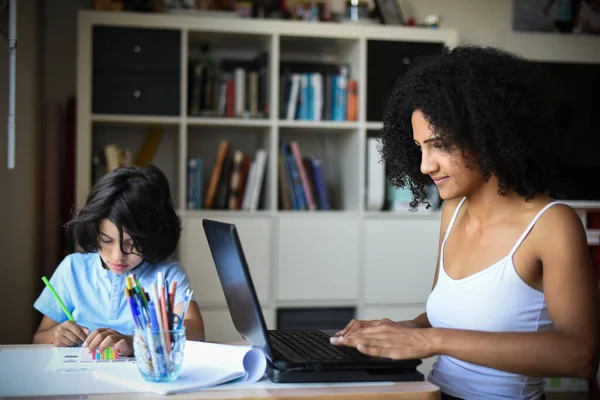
451 224
530 227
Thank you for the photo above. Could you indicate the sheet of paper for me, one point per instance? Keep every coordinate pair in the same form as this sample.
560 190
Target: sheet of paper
22 373
79 359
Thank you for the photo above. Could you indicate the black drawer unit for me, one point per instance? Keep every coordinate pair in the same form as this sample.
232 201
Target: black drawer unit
136 93
136 71
136 49
387 61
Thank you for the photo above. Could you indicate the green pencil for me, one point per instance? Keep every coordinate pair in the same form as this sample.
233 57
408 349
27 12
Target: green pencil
57 297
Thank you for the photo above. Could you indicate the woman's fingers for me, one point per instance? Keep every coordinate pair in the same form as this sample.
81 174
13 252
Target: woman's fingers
348 328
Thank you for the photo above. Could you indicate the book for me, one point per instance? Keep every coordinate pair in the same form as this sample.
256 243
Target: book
204 365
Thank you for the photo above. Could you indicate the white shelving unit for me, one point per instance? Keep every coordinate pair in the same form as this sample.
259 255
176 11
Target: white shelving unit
379 262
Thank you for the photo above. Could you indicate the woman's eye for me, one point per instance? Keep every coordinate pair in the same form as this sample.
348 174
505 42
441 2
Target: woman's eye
106 241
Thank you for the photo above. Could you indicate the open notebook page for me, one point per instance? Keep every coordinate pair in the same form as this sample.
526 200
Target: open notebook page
204 365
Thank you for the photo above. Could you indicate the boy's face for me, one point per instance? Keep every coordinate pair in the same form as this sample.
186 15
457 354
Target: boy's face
116 257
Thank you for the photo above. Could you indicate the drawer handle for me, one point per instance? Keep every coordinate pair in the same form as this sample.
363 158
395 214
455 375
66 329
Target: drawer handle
137 93
137 49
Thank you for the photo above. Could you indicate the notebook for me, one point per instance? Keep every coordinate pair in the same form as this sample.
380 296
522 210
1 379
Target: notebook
204 365
293 356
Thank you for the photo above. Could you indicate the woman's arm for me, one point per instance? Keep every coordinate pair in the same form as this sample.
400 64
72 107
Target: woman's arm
194 325
571 292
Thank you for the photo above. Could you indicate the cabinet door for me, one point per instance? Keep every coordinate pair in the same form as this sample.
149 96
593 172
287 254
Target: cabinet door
400 259
219 327
255 236
318 258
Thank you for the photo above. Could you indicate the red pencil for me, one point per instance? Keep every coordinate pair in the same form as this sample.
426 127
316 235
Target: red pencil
163 309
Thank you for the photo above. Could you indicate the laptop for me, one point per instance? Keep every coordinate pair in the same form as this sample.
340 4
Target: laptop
292 356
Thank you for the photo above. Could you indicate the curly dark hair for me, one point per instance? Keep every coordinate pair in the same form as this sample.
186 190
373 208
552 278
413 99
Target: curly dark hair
486 102
137 201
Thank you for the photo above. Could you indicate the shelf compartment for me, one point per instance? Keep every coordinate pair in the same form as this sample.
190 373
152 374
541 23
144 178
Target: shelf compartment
337 152
133 137
228 75
310 70
204 143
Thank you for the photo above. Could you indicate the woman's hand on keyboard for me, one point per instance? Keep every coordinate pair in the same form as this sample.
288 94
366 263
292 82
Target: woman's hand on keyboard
356 326
389 340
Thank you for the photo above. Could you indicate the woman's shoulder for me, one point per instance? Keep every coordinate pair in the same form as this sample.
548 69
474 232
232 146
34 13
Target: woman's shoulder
555 213
555 222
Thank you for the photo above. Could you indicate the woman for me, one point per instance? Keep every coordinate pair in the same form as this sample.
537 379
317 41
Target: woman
514 296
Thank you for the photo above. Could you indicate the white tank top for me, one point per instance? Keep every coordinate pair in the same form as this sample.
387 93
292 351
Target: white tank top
495 299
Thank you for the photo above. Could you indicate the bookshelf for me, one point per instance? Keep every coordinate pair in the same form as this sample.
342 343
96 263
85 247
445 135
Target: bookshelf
379 262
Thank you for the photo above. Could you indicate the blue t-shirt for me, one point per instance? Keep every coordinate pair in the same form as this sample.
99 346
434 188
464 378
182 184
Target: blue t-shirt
95 296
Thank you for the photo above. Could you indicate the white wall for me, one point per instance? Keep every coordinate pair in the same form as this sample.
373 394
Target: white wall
490 22
19 187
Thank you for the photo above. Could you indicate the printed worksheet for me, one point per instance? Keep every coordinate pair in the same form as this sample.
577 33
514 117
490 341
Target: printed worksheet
79 359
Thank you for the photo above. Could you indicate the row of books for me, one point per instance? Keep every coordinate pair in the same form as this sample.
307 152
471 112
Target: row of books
235 183
240 88
228 88
317 97
236 180
301 180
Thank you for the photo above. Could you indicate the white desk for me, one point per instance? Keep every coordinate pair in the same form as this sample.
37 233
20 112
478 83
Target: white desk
26 377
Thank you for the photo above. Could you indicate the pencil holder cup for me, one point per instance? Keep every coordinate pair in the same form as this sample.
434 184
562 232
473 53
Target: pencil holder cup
159 354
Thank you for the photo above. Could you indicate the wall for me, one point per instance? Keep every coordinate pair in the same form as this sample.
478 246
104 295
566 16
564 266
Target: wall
490 22
60 35
19 199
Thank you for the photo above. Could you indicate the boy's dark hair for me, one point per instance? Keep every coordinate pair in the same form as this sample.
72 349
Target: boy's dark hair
484 101
137 201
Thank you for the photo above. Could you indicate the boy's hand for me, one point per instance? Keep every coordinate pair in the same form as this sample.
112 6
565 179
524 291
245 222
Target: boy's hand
103 337
69 334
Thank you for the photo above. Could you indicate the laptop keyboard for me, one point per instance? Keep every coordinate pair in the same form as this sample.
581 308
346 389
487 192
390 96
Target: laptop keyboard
315 346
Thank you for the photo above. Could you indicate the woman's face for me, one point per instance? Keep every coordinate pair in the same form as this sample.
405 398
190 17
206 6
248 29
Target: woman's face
446 166
109 248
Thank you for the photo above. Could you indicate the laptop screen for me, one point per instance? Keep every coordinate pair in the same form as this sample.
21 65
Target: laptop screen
234 274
